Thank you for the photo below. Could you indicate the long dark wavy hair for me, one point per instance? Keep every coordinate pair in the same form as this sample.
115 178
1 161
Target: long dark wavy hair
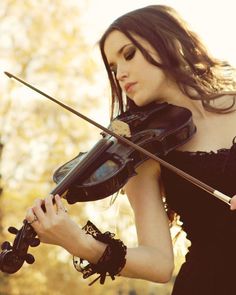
182 54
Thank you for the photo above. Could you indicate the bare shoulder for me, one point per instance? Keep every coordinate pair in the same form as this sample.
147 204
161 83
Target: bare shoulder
147 173
149 168
214 131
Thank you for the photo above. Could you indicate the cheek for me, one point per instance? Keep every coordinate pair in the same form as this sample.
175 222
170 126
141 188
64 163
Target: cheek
155 79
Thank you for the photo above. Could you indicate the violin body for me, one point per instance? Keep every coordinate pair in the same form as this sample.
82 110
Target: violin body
159 129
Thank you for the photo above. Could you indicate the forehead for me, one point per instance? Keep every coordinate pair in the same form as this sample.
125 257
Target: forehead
114 42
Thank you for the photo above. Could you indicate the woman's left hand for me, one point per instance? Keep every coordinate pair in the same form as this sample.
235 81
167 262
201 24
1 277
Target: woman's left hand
54 226
233 203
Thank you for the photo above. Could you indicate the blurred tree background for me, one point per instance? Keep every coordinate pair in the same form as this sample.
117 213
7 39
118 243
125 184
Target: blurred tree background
44 43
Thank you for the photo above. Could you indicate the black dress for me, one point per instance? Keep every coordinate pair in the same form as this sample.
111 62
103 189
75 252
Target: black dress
210 267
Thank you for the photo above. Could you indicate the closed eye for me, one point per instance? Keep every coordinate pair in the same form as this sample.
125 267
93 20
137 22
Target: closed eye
130 53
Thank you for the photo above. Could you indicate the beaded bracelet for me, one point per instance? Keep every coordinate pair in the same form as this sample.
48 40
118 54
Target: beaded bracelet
112 260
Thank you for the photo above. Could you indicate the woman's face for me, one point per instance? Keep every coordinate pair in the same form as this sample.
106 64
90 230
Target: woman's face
140 80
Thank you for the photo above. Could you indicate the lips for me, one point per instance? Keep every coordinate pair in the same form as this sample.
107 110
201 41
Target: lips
128 87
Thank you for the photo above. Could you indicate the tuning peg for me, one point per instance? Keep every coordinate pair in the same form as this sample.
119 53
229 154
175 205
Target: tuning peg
34 242
29 258
6 246
13 230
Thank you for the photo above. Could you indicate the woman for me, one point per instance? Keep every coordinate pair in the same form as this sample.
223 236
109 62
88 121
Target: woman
151 56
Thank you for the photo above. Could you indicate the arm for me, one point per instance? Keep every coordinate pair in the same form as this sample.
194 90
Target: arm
151 260
154 253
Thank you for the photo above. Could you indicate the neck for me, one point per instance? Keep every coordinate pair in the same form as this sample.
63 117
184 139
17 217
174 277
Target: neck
175 96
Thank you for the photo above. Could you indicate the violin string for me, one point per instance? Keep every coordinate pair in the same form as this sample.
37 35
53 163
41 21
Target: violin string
124 140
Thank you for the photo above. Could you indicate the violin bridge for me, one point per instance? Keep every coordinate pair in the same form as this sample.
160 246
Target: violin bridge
120 128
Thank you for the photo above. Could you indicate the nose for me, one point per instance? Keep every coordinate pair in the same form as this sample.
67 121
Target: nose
121 73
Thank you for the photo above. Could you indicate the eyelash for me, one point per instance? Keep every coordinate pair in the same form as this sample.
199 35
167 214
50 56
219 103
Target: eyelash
128 56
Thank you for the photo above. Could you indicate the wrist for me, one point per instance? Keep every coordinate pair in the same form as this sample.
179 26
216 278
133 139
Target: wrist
112 260
85 246
95 249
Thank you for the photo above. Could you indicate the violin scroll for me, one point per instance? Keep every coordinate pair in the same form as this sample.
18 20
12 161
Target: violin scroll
13 256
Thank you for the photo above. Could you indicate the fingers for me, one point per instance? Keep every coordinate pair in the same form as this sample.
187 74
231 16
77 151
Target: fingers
37 209
30 217
233 203
44 209
49 205
59 205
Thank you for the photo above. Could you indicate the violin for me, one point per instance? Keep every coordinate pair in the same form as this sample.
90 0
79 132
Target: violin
143 133
110 163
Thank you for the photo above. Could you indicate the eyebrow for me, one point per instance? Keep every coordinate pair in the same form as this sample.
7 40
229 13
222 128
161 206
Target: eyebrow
123 47
120 51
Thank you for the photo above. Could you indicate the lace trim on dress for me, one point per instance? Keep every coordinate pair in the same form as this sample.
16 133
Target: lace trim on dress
203 153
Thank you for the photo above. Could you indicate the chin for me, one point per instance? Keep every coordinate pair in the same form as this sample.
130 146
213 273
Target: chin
142 103
139 102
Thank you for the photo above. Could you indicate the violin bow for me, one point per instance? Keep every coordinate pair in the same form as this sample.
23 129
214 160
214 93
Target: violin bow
221 196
